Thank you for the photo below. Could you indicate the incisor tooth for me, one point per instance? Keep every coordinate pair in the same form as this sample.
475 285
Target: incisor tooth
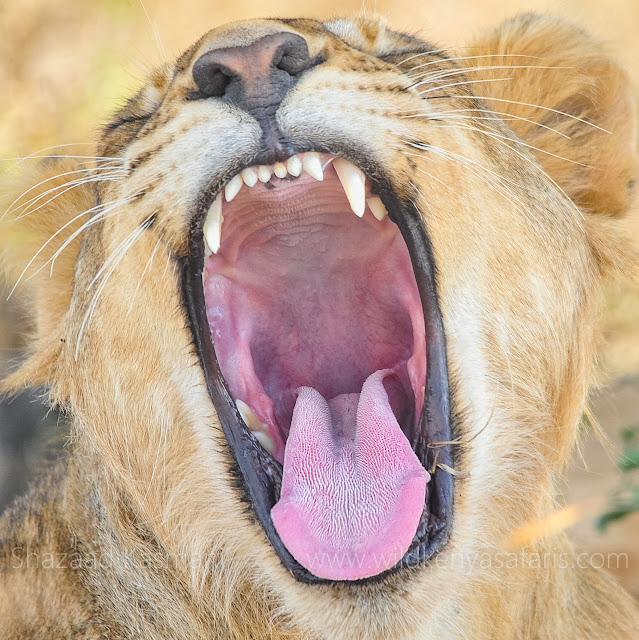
354 182
213 225
249 176
377 207
294 166
279 169
265 440
233 187
263 173
312 164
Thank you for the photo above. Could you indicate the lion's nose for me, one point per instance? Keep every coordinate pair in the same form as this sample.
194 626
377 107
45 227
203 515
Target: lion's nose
256 77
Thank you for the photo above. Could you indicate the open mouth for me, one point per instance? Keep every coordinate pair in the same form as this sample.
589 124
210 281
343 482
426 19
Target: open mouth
317 325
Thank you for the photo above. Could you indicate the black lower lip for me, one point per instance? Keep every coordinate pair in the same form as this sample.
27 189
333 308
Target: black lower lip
260 485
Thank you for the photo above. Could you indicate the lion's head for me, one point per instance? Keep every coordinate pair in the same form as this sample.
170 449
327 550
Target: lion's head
323 311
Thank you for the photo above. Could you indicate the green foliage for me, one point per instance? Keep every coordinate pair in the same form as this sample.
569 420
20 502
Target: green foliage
625 500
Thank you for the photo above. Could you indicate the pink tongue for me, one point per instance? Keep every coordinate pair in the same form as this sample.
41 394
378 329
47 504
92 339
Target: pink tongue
353 490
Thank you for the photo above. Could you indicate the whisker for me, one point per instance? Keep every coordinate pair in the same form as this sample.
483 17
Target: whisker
110 210
492 55
120 250
107 262
61 156
516 141
35 186
58 156
474 165
425 53
149 264
480 172
156 33
169 257
430 175
483 173
39 151
42 248
457 84
70 185
92 220
67 186
539 106
444 51
536 166
506 117
426 173
448 73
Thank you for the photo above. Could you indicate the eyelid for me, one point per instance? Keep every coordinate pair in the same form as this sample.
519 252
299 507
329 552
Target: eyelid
126 119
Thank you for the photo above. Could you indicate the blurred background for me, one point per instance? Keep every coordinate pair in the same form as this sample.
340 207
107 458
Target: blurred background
66 65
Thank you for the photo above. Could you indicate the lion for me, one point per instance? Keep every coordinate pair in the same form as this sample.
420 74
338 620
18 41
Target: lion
321 311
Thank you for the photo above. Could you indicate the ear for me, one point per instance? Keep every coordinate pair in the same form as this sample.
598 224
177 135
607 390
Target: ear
40 215
591 152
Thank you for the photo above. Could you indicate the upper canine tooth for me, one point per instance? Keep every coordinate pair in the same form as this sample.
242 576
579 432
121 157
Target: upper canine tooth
233 187
213 225
249 176
279 169
313 165
294 166
263 173
354 182
377 207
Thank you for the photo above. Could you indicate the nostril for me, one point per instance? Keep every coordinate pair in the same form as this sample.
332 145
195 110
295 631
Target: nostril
292 65
292 56
211 78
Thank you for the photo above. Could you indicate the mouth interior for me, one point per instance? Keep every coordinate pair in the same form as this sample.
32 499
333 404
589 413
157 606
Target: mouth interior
319 332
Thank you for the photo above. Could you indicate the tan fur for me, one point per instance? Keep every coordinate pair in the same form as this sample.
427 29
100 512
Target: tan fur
146 501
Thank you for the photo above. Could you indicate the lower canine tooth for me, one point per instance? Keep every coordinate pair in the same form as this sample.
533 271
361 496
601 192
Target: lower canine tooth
248 415
312 164
377 207
249 176
294 166
213 225
279 169
264 173
265 440
233 187
256 426
354 182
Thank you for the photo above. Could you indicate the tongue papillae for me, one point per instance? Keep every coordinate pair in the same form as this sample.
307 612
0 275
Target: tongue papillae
318 327
353 490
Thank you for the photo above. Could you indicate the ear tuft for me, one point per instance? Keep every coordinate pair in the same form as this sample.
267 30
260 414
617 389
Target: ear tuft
591 155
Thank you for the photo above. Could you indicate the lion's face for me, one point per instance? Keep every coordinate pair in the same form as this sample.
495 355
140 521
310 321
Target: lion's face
275 214
331 318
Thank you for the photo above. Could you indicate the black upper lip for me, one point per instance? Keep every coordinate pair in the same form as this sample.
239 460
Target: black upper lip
258 474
